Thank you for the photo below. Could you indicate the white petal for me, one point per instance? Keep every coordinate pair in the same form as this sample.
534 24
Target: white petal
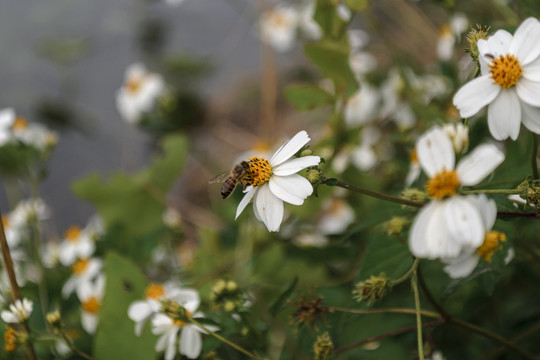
474 95
487 209
161 343
170 351
498 43
89 322
289 148
7 118
531 71
292 189
190 343
463 265
428 237
504 115
188 298
435 152
464 222
478 164
8 317
269 208
526 42
295 165
139 311
529 91
245 201
530 117
69 286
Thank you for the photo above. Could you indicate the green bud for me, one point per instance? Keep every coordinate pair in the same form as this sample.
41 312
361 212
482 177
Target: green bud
313 176
174 310
323 347
231 286
229 306
306 152
414 195
374 288
53 318
395 225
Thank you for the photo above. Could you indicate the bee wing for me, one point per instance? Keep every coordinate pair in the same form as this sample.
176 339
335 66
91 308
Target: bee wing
220 177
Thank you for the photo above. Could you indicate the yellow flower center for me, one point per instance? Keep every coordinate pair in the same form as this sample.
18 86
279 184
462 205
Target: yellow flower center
260 171
80 266
72 234
443 185
154 291
91 305
491 243
133 85
19 124
506 71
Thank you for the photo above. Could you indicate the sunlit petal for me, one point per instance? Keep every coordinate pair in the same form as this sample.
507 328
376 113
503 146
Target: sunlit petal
269 208
464 222
292 189
289 148
435 152
504 115
293 166
479 163
474 95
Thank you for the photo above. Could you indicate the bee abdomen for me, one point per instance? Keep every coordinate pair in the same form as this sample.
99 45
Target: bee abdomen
227 189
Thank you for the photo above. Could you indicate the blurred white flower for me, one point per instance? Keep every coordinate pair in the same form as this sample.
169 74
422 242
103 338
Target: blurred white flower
358 39
414 169
28 211
463 264
361 63
77 244
449 35
90 293
172 218
18 312
190 341
336 217
392 106
343 12
509 84
15 129
364 156
307 240
361 107
83 270
450 222
277 27
139 93
459 134
141 311
13 233
273 181
307 24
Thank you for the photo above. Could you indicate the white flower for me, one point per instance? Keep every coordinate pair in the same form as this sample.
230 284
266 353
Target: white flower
18 312
77 244
307 240
357 39
361 63
13 233
449 222
392 106
28 211
142 311
90 294
190 343
364 156
459 134
337 216
83 270
466 261
307 24
16 129
361 106
414 170
278 27
509 84
139 93
274 181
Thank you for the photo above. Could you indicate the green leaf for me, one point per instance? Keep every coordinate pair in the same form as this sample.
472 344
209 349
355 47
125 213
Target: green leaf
133 204
357 5
115 337
281 300
385 254
307 97
333 61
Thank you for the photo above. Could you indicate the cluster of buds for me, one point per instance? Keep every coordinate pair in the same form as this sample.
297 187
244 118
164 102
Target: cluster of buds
374 288
227 296
323 347
529 190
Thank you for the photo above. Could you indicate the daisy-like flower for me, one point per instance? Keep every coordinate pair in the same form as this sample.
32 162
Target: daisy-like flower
274 181
28 211
190 343
142 311
83 270
466 261
278 27
14 128
90 294
77 244
509 84
449 222
139 93
361 106
364 156
18 312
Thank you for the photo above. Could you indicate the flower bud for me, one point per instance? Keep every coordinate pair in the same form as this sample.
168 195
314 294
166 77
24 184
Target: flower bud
395 225
374 288
414 195
323 347
306 152
313 176
174 310
53 318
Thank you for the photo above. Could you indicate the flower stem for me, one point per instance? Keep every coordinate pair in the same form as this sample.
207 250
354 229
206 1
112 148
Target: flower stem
408 273
414 284
73 348
491 191
378 195
8 262
534 155
427 313
219 337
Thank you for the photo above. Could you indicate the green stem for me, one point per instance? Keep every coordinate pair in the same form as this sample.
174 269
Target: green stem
491 191
408 273
534 155
219 337
414 284
73 348
335 182
427 313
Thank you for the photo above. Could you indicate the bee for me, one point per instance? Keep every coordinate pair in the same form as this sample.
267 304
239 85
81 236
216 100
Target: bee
232 178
